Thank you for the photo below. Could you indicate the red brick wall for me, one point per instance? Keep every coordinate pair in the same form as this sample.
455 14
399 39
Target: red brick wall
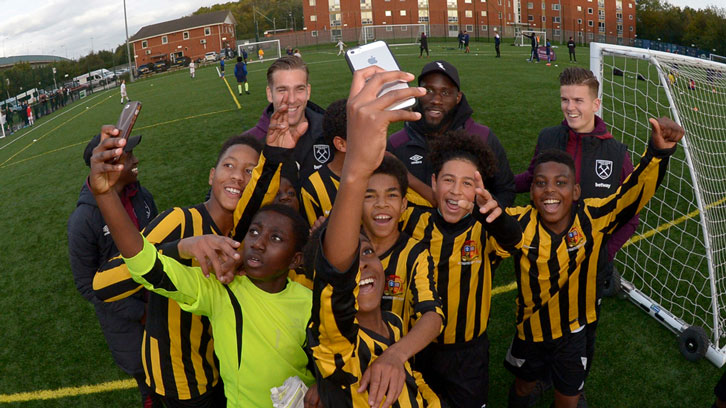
191 47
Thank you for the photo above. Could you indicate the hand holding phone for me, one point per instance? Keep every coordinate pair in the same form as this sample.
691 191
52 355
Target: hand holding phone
128 118
378 53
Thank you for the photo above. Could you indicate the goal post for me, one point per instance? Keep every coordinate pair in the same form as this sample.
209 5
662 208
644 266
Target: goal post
270 48
674 266
717 58
523 41
393 34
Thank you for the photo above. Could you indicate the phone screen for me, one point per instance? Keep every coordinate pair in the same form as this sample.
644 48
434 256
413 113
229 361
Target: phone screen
127 119
378 53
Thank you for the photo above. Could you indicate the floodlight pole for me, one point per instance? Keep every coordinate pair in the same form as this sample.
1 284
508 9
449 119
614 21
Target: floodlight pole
128 49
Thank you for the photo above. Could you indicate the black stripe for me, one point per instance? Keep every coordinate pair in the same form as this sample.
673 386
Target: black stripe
185 326
205 343
116 289
237 323
534 286
465 278
445 250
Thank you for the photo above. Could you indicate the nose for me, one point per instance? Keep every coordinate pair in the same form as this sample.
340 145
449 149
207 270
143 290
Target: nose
257 242
456 189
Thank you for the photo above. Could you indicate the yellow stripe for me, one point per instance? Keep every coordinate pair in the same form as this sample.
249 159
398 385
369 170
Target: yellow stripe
68 391
234 97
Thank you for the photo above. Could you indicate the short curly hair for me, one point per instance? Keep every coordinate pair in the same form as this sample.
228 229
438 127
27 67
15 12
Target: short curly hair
460 144
556 156
393 167
335 122
247 140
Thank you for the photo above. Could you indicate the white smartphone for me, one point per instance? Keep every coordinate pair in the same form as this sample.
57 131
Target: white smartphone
378 53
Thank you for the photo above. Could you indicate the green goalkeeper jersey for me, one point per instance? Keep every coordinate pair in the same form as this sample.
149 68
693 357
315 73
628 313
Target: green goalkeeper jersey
259 336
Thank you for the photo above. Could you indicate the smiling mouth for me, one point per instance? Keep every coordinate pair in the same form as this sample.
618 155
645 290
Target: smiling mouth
233 191
551 204
366 285
453 205
135 171
382 219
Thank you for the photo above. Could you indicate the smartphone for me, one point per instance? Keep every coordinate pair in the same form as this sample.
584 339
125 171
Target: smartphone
378 53
128 118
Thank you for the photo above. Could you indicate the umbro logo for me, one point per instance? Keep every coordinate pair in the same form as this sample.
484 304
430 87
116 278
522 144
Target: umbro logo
416 159
106 230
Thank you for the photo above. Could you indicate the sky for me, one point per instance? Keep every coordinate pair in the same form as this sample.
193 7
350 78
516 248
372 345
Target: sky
72 28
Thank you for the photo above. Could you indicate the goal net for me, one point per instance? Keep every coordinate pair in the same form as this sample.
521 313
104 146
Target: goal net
270 50
717 58
523 41
393 34
674 266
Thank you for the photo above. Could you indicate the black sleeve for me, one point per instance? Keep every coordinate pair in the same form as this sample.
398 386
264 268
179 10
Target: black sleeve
505 229
83 251
501 184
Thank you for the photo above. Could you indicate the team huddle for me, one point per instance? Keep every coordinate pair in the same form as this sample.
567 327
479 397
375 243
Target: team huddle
362 262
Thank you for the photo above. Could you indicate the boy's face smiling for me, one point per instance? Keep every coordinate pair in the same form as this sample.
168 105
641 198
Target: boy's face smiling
372 281
455 181
232 174
579 106
269 251
382 206
553 191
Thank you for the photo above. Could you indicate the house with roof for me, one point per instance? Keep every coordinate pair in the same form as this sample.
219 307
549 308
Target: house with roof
191 36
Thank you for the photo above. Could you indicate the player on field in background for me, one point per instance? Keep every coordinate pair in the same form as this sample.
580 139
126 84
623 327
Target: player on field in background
240 73
192 69
601 164
221 67
571 50
340 46
123 91
558 264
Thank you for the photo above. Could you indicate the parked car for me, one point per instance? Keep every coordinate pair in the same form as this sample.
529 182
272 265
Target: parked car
161 66
146 69
210 56
181 62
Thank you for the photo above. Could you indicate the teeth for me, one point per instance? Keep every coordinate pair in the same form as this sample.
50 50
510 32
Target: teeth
135 170
572 115
382 217
453 202
551 201
367 281
232 190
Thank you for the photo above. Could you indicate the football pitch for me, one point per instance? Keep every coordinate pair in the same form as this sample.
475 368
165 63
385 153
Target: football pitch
52 351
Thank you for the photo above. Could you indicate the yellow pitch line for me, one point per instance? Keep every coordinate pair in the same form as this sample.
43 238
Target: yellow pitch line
68 391
184 118
232 93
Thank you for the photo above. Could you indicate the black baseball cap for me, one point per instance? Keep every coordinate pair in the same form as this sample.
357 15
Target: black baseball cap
442 67
88 152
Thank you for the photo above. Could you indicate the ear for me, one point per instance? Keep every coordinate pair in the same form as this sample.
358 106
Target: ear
596 104
340 144
296 260
309 91
433 182
269 93
576 191
458 97
211 175
404 204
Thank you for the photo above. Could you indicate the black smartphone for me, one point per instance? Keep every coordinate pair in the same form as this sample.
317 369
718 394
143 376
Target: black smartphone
128 118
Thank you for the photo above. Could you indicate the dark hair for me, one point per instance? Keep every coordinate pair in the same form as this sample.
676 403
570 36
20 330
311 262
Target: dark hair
335 122
246 140
557 156
393 167
460 144
580 76
299 225
239 59
287 63
310 251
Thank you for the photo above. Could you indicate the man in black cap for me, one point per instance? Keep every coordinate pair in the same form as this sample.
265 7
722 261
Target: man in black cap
90 245
445 108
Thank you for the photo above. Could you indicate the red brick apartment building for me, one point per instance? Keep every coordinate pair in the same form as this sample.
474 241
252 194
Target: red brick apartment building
610 21
191 36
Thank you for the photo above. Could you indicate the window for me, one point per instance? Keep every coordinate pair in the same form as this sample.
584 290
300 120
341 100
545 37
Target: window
579 35
556 19
313 33
185 35
530 5
484 13
313 18
453 17
388 13
620 28
589 10
144 44
630 17
468 14
483 1
631 29
336 33
601 27
630 5
389 28
544 19
579 21
590 36
555 7
423 16
618 4
207 31
530 18
619 17
601 14
469 28
543 5
485 28
589 23
312 3
557 32
601 3
620 40
403 13
164 40
499 2
453 27
579 8
404 28
500 15
509 4
467 1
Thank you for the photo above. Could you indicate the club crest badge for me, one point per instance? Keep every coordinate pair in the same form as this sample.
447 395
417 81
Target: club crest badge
394 285
321 153
469 252
574 237
604 168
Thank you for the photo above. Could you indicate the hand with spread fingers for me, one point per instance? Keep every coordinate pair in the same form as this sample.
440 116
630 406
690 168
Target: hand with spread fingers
279 132
488 206
212 252
105 171
385 377
665 133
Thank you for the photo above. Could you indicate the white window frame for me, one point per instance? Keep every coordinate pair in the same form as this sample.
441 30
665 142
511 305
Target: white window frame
313 17
164 39
387 13
402 13
144 44
207 30
185 35
556 6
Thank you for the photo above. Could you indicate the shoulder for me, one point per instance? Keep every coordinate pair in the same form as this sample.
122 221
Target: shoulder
399 139
472 126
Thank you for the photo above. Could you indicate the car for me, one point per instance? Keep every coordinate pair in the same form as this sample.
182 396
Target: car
181 62
146 69
210 56
161 66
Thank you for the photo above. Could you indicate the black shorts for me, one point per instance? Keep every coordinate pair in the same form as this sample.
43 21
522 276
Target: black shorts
459 373
564 359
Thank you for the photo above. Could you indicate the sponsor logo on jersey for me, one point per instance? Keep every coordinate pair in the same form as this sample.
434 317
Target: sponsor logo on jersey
321 153
416 159
604 168
469 252
394 285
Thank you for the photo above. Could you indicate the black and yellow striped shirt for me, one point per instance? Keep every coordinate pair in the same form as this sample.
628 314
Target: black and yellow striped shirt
410 281
464 254
556 273
178 348
343 350
318 193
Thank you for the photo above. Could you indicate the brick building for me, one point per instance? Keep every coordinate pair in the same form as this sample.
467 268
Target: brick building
610 21
191 36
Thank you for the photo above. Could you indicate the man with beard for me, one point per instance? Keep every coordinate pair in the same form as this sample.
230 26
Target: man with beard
444 108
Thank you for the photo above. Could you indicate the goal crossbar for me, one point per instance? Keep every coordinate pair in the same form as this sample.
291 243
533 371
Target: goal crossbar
271 49
394 34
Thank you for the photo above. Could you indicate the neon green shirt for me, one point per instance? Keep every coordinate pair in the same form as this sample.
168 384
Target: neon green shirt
259 336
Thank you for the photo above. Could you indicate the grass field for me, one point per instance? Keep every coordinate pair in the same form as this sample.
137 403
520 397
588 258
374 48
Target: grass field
50 336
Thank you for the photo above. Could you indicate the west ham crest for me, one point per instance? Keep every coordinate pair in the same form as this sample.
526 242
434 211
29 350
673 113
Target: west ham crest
604 168
321 153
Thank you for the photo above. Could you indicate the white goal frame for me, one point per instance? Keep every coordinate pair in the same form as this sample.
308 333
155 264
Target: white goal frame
366 30
519 40
718 58
715 352
252 55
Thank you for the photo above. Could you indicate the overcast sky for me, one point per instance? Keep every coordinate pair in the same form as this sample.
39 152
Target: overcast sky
69 28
